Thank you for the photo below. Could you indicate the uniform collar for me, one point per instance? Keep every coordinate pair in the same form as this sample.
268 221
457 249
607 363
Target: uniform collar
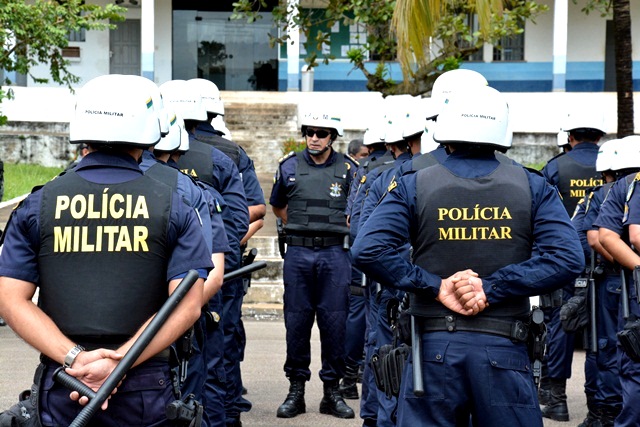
114 159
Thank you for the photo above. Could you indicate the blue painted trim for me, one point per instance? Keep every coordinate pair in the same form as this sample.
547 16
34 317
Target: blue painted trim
504 76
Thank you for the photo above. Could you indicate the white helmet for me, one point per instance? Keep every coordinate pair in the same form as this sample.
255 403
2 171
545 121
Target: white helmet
210 95
585 117
322 119
627 153
372 135
158 105
606 153
448 83
114 111
171 141
219 125
414 124
562 138
478 116
393 128
184 99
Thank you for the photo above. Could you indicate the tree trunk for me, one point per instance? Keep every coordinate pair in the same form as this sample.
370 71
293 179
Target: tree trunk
624 66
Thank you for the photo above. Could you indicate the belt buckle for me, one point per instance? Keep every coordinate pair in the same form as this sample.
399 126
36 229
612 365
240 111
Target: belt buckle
317 242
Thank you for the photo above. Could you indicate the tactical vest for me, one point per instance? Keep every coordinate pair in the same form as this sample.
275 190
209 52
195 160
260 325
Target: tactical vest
230 148
573 179
197 162
165 174
317 200
372 162
423 161
479 223
103 254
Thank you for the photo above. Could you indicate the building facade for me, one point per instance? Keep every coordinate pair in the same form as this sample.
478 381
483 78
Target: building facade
564 50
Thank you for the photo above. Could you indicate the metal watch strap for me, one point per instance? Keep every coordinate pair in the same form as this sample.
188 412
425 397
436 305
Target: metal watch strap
71 355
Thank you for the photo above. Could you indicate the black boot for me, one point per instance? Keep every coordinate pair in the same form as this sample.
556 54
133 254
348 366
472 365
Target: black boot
557 409
348 387
294 403
332 402
544 391
593 414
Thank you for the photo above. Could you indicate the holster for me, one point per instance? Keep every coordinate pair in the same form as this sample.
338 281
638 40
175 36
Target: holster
186 412
377 366
629 339
25 413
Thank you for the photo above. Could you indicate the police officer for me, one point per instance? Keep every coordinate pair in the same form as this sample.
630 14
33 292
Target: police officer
473 222
215 169
617 219
401 136
357 150
309 195
105 245
604 398
572 172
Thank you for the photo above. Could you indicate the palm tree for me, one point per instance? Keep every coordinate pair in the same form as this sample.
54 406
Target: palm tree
415 22
624 66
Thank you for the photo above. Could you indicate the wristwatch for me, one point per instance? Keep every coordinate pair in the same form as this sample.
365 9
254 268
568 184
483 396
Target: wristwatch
71 356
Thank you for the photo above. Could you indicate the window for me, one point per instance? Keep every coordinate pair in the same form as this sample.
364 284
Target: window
77 36
510 49
473 24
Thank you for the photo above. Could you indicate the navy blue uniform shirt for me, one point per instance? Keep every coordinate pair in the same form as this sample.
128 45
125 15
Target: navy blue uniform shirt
584 153
19 258
558 258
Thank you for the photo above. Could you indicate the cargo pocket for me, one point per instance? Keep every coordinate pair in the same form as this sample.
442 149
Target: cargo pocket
433 371
511 378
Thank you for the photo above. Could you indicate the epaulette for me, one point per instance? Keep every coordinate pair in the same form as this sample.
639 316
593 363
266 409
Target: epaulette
534 171
286 156
352 159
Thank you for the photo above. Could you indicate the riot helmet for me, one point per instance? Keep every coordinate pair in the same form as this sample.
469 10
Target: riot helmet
114 111
210 94
477 116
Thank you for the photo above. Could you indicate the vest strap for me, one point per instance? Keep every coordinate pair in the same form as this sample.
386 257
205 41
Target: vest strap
516 330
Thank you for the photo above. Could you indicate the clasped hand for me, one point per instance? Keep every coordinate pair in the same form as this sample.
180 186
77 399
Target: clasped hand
93 368
463 293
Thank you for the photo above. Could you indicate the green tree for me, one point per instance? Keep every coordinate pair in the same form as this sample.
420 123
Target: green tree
36 32
401 30
620 10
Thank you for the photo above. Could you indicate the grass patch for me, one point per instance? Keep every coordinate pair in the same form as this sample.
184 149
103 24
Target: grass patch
20 178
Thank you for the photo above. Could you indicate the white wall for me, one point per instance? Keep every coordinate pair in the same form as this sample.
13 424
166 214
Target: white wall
94 52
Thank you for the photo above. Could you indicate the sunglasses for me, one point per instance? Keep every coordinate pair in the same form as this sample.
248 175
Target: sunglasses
321 133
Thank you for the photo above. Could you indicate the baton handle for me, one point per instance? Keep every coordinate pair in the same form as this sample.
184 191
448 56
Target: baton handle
247 269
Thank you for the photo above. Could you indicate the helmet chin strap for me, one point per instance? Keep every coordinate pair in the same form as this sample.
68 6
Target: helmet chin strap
319 152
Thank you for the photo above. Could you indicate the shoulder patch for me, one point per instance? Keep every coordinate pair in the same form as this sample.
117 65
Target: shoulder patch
286 156
393 184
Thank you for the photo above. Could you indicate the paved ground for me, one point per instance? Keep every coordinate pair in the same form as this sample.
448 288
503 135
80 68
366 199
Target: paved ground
262 373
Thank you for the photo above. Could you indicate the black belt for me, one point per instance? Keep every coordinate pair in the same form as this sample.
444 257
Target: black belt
513 329
314 242
163 355
356 290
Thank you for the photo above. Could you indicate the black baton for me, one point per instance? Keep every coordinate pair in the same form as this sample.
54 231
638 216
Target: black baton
624 294
416 354
129 358
593 318
254 266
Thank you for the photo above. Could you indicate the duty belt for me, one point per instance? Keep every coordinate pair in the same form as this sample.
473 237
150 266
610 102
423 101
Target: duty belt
314 242
513 329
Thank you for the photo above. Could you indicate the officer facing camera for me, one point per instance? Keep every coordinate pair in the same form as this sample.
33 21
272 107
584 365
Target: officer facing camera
473 222
105 245
310 195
